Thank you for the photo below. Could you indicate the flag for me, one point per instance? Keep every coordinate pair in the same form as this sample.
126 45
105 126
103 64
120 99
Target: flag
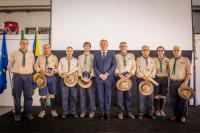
36 46
3 64
36 52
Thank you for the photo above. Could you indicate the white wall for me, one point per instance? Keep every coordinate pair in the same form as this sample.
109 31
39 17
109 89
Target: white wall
24 19
138 22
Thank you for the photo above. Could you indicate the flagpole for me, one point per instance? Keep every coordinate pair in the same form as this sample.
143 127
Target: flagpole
11 84
36 29
36 37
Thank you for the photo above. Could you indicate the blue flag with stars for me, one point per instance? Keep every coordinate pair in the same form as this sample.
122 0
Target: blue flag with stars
3 64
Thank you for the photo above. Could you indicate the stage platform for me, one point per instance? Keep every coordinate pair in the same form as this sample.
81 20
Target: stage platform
86 125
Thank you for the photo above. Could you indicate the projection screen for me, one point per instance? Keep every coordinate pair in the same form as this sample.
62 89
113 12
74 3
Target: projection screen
138 22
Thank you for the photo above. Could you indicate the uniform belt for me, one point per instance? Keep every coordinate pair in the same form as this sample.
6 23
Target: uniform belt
161 77
23 74
181 80
51 76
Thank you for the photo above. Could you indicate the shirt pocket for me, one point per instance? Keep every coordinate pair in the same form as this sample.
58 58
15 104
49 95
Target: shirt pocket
29 60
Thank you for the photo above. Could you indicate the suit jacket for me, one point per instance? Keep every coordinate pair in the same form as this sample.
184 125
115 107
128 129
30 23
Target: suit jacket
107 65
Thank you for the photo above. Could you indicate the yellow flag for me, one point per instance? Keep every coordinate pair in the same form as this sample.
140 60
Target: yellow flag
37 46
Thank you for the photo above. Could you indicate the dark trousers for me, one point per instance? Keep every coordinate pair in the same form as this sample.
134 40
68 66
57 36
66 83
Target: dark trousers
69 95
104 95
124 100
149 100
23 83
179 105
91 94
51 86
162 89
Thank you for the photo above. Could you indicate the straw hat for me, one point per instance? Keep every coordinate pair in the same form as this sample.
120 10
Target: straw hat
124 84
71 80
145 88
41 81
186 92
84 81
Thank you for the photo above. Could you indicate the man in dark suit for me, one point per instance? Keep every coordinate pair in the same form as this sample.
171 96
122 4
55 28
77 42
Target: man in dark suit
104 66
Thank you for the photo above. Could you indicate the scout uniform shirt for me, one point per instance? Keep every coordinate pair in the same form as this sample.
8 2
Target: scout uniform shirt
162 67
21 63
125 63
180 68
85 62
45 62
67 65
145 67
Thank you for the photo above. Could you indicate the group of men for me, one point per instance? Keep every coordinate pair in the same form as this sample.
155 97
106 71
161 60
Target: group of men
103 66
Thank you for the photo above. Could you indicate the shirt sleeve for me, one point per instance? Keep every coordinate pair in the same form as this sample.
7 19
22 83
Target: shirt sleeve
11 61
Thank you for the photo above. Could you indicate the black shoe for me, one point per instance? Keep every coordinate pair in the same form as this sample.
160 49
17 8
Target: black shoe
17 118
183 119
151 117
75 115
108 117
140 117
63 116
29 117
173 118
101 116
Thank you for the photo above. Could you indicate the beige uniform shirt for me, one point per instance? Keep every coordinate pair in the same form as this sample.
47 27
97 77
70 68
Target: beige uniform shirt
85 62
63 65
40 64
182 69
15 63
125 63
165 67
145 67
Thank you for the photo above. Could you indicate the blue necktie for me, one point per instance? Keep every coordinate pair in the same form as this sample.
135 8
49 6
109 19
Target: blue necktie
104 57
